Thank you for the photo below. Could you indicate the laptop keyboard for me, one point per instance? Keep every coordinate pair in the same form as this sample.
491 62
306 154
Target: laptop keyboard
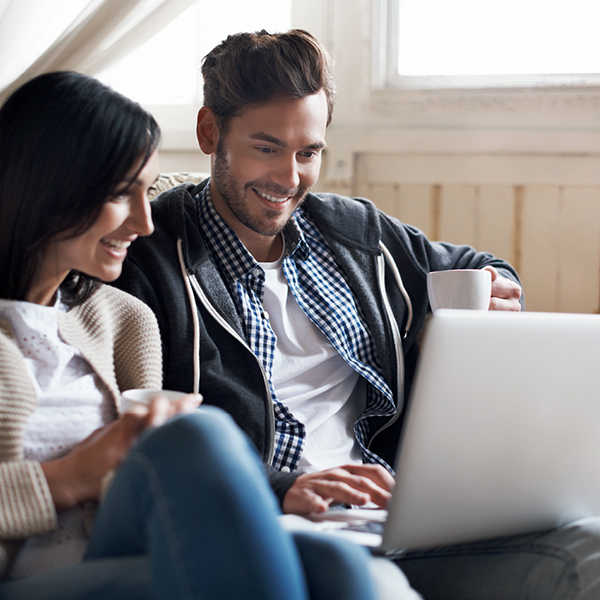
367 527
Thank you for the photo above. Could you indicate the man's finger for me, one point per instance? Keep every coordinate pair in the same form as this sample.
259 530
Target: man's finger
302 501
502 304
375 473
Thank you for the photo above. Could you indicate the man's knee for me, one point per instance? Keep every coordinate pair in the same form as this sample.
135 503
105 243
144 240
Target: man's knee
561 564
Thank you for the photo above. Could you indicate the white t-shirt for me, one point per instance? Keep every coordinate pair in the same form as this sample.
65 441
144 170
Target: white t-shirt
312 379
73 403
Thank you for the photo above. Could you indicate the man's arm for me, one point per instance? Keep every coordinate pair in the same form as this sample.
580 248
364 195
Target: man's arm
440 256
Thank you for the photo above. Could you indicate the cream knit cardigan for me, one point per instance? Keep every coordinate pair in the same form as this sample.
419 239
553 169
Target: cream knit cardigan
119 337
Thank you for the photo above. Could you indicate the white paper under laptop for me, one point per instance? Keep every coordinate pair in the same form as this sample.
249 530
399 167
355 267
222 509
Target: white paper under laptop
502 433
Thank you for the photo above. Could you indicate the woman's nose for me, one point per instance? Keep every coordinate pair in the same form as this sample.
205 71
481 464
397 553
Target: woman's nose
140 217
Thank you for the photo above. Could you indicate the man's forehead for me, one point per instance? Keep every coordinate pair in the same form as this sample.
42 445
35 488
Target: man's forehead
284 116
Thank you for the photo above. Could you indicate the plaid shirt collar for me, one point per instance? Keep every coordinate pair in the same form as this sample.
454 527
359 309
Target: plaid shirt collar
231 256
319 287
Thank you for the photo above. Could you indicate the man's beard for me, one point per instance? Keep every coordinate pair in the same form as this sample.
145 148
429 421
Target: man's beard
234 196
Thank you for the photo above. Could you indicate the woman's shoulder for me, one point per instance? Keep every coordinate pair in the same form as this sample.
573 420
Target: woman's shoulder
107 295
115 307
119 336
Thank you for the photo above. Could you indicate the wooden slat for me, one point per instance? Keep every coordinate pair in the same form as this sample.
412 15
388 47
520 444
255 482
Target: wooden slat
415 207
579 250
383 196
496 221
362 166
458 214
539 247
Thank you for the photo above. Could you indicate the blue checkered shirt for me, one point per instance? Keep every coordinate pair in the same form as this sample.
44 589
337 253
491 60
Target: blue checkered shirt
322 293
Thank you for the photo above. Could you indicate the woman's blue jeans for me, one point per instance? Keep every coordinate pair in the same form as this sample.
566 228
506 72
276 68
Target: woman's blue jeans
190 515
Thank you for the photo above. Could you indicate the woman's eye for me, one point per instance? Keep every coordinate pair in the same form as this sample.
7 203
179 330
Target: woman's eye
120 197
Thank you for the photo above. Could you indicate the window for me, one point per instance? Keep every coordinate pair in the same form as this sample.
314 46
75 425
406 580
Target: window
491 43
166 69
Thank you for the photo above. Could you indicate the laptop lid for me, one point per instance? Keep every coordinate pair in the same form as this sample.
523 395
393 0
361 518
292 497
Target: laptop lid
502 434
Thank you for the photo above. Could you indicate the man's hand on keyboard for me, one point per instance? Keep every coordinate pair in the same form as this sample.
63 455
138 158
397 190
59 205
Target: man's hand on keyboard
348 484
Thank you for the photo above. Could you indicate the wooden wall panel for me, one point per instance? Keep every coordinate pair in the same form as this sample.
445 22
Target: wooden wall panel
550 232
458 214
539 259
384 197
483 169
496 222
416 206
579 250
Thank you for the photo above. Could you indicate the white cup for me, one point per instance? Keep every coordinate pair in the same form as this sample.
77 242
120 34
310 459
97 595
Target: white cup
142 397
460 288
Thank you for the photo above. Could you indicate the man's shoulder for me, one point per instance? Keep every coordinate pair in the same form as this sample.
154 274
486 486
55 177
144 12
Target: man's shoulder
172 204
345 218
330 203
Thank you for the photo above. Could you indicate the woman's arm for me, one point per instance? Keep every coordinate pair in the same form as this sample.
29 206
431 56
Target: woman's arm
77 477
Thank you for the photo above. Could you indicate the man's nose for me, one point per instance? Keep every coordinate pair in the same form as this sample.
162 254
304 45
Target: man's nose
287 173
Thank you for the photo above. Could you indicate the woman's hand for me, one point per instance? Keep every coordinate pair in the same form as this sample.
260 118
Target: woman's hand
184 404
77 477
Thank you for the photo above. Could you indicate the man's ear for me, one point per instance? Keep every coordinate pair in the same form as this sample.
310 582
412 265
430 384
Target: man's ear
207 131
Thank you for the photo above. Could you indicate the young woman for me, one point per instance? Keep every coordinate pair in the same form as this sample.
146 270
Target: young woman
189 513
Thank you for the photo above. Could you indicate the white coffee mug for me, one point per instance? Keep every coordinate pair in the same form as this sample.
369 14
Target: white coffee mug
460 288
142 397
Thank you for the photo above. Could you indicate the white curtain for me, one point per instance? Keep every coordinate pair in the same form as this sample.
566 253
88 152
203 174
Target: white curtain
37 36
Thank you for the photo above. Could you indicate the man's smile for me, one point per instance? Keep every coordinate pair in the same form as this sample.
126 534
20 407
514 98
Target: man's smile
273 199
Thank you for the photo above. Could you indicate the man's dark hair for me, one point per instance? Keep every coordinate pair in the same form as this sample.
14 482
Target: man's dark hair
251 68
66 143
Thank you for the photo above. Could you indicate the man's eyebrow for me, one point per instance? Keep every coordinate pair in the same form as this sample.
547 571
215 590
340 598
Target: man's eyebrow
265 137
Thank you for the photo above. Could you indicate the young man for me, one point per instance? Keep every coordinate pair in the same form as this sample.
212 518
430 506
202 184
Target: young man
299 313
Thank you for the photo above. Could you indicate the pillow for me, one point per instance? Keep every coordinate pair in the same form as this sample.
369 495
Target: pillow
169 180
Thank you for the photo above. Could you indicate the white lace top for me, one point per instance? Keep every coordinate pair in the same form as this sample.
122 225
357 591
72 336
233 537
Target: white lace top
72 403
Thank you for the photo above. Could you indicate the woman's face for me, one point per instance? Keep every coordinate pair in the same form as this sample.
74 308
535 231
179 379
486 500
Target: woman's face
101 250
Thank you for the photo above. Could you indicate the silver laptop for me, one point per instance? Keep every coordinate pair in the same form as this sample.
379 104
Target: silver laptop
502 433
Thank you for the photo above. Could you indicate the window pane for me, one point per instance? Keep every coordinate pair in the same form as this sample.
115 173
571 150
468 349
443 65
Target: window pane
498 37
220 19
163 70
166 69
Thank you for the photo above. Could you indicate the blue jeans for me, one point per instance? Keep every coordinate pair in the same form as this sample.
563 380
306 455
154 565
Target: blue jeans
190 515
560 564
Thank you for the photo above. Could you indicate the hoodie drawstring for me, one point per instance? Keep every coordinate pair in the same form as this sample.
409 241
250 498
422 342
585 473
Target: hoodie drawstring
390 261
194 309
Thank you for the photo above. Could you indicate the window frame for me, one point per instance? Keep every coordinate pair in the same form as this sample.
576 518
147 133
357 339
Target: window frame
386 76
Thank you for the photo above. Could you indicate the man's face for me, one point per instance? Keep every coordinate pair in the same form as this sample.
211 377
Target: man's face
266 163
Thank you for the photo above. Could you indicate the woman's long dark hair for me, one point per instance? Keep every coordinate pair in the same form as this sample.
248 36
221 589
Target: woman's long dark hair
66 142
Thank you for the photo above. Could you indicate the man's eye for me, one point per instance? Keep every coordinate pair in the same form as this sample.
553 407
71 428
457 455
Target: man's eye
266 150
